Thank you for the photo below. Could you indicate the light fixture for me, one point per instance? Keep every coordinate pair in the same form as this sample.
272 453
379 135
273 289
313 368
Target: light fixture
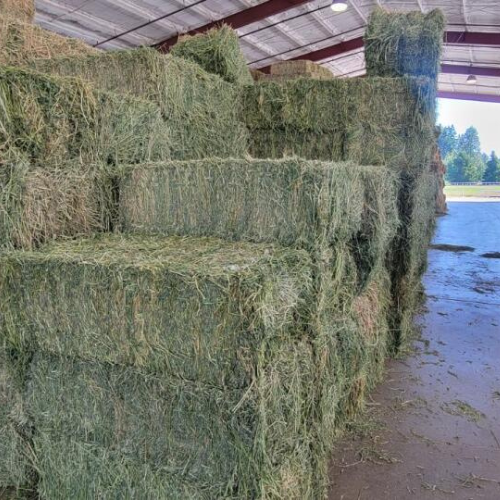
471 80
339 5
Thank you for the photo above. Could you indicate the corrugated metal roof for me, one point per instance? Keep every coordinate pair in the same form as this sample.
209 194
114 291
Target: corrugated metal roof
292 33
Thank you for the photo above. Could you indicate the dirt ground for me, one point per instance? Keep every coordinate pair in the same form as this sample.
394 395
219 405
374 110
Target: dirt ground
432 428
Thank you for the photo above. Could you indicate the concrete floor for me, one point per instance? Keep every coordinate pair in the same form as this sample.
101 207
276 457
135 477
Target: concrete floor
434 423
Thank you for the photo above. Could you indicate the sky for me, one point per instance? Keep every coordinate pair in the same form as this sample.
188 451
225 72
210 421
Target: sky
482 115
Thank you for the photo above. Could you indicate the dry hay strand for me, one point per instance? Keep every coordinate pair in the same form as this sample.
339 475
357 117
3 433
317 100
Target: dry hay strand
216 51
21 10
21 43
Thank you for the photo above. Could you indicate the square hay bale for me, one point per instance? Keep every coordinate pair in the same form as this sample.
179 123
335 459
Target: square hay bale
21 43
52 120
114 431
198 308
300 67
216 51
399 44
201 110
294 202
40 203
22 10
14 465
367 120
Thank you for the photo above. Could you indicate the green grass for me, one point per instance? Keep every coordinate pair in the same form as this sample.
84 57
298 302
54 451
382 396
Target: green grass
472 191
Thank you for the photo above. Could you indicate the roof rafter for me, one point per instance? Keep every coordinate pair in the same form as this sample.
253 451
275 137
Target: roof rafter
242 18
469 96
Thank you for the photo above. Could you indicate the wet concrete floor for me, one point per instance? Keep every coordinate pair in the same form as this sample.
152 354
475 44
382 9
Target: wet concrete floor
432 429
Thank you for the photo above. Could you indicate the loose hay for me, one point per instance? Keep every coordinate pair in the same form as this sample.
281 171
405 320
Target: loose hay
216 51
51 120
21 43
201 111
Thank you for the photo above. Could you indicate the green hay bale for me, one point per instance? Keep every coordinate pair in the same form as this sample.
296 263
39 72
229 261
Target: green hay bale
369 121
14 467
295 202
52 120
399 44
201 110
112 299
22 42
38 203
128 433
216 51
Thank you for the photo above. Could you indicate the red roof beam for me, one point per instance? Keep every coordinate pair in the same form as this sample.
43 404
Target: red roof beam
454 69
242 18
467 96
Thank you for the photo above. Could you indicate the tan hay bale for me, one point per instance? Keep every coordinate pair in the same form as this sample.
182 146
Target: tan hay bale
22 10
21 43
300 67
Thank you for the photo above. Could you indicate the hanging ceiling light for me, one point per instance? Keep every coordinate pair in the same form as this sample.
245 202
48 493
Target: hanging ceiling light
339 5
471 80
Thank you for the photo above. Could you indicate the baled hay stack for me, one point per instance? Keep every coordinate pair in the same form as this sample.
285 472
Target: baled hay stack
21 10
40 203
201 110
399 44
216 51
52 120
14 427
222 405
21 43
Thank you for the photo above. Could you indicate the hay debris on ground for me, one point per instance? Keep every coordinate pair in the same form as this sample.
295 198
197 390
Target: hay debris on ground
21 10
216 51
51 120
201 110
399 44
21 43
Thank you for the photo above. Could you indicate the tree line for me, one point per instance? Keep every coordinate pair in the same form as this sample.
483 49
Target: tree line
461 153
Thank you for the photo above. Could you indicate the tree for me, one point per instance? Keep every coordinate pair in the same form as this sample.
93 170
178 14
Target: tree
469 142
492 172
448 141
465 167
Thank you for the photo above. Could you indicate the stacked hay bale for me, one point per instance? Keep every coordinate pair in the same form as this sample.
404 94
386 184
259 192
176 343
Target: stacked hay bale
201 110
290 70
216 51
